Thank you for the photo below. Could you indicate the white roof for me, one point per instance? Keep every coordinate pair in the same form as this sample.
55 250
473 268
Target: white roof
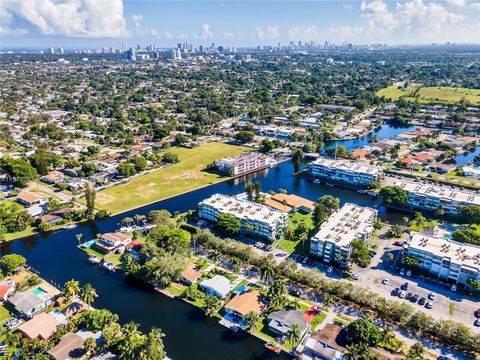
220 284
459 253
353 166
441 192
346 224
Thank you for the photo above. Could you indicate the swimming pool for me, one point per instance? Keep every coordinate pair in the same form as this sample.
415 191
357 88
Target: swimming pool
38 291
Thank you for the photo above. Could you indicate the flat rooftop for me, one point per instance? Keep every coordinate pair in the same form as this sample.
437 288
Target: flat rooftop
248 156
242 208
346 224
347 165
446 193
459 253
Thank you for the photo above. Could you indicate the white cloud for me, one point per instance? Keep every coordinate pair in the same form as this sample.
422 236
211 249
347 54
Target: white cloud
347 7
76 18
475 6
168 35
205 33
268 33
458 3
227 35
137 19
304 33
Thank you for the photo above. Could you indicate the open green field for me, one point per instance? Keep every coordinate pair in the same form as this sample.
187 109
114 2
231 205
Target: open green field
437 94
186 175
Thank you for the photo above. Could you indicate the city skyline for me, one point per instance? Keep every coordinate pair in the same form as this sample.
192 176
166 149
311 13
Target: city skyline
93 24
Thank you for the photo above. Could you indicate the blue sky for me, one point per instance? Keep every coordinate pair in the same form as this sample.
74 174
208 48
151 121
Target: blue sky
96 23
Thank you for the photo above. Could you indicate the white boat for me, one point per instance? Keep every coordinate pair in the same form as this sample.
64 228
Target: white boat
330 185
316 181
109 266
68 227
94 260
361 191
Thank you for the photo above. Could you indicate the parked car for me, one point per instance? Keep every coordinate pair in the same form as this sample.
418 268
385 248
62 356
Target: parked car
408 296
444 358
402 294
404 286
409 273
477 322
429 305
398 243
477 313
453 287
10 324
415 298
431 296
354 276
422 301
395 291
402 271
330 269
385 281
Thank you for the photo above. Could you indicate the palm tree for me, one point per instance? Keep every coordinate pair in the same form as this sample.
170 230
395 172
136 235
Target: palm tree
254 321
387 335
131 340
153 347
328 300
294 335
215 258
416 352
277 288
88 294
211 305
71 288
126 221
139 218
90 345
79 238
267 271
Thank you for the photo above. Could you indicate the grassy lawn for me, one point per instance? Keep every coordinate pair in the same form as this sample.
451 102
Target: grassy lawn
437 94
4 314
188 174
343 319
18 234
93 252
114 259
176 289
451 308
317 320
264 333
295 245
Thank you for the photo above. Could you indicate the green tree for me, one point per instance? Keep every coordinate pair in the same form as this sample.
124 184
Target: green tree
394 195
90 195
294 335
212 304
9 263
364 331
139 162
170 157
254 321
153 347
88 294
126 169
267 271
90 345
360 254
245 136
228 224
411 261
416 352
71 288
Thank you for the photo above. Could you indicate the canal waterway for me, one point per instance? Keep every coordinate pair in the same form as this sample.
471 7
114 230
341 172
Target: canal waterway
190 335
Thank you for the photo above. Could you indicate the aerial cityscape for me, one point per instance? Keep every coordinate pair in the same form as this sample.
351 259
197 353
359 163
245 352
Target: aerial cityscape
239 180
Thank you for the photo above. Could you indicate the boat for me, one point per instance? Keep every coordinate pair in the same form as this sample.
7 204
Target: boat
361 191
94 260
69 227
274 347
109 266
316 181
330 185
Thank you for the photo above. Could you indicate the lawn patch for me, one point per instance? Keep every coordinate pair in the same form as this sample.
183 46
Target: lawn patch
188 174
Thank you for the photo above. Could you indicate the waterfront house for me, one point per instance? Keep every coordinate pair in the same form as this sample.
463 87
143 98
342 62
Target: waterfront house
7 288
326 344
74 309
41 326
134 247
30 302
105 355
111 241
191 274
30 198
289 203
281 322
218 286
51 219
242 304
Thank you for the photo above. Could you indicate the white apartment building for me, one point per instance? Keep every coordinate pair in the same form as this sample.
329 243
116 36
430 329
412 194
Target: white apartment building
345 171
430 197
256 219
243 163
332 241
445 258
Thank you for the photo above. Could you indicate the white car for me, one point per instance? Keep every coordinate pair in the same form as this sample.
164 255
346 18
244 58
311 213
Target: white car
409 273
402 294
453 288
329 269
385 281
402 272
431 296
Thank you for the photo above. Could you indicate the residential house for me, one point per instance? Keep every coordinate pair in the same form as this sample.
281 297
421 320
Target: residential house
70 346
30 198
282 321
41 326
134 247
242 304
53 177
51 219
191 274
7 288
111 241
218 286
327 344
289 203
